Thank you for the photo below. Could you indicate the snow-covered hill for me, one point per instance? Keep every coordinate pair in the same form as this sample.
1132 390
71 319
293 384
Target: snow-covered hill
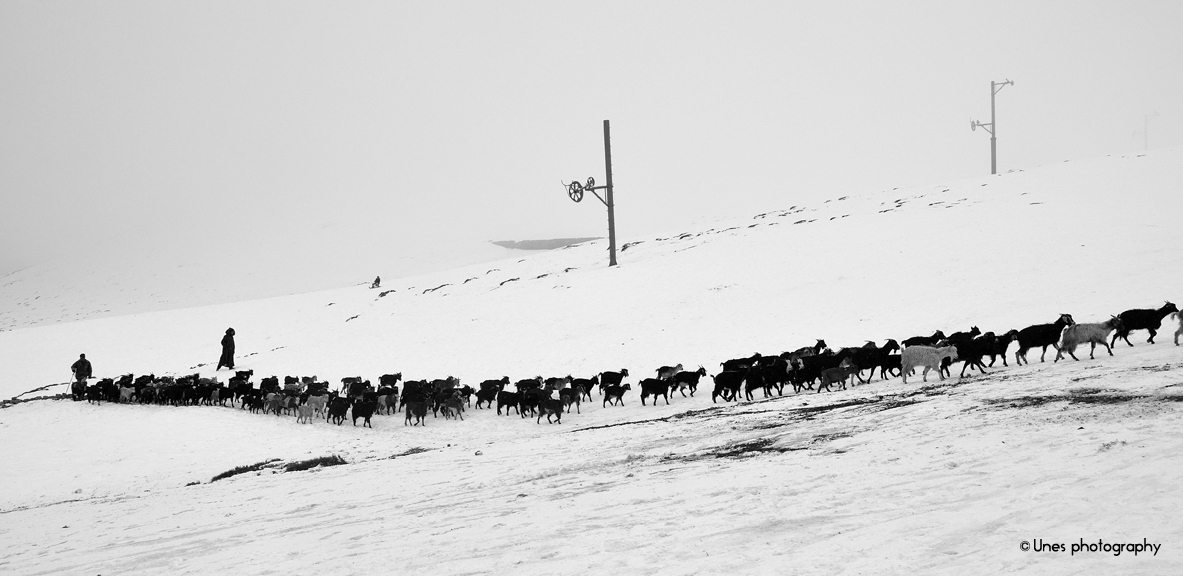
883 478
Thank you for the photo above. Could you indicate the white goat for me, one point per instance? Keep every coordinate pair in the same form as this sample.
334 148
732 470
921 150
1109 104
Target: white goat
317 403
1179 331
930 358
1096 333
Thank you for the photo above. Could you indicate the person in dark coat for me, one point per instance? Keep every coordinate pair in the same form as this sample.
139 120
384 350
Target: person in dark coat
377 282
82 370
227 359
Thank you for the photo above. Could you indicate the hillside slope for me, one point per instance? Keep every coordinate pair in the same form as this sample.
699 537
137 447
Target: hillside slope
1088 238
937 477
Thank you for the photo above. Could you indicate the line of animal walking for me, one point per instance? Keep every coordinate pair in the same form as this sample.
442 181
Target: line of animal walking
802 369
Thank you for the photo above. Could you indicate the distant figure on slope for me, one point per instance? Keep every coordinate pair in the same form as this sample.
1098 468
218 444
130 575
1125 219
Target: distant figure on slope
82 370
377 281
227 359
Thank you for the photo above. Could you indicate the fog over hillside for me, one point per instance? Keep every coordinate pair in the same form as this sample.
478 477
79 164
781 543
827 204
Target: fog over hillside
132 273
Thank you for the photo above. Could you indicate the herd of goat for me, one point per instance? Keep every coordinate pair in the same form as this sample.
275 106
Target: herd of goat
308 398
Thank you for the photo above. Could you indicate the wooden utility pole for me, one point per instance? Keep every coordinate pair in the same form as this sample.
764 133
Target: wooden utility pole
576 189
611 206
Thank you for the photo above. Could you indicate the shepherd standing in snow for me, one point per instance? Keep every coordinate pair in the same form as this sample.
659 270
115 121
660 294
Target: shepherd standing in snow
81 369
377 282
227 359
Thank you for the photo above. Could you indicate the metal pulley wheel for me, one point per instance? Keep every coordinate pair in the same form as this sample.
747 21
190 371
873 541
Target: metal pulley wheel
575 191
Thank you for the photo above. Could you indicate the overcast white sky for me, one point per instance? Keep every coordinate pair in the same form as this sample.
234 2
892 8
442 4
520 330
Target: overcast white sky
182 122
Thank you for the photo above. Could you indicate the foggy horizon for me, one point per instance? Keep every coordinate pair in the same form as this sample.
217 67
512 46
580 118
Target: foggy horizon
191 125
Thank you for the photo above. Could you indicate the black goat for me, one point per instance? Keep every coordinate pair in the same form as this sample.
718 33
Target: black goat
775 372
870 357
550 407
414 391
1141 319
805 351
363 410
688 380
495 384
1041 335
611 379
840 373
614 394
754 380
557 383
337 409
924 340
736 364
585 385
416 412
487 397
960 340
973 350
1000 345
569 396
453 407
727 385
964 336
465 392
508 400
528 384
532 400
655 387
891 365
811 368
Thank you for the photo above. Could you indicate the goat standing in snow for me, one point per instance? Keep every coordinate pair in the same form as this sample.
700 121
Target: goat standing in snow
1180 330
930 358
924 340
1041 335
1000 344
1094 334
841 374
1142 319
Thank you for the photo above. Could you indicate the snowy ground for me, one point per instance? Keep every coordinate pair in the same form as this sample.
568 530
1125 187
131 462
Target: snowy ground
884 478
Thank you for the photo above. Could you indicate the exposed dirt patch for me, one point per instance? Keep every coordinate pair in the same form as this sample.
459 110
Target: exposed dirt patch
14 401
1089 397
737 450
243 470
411 451
1024 401
887 404
1088 391
1163 368
787 415
831 437
333 460
940 388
